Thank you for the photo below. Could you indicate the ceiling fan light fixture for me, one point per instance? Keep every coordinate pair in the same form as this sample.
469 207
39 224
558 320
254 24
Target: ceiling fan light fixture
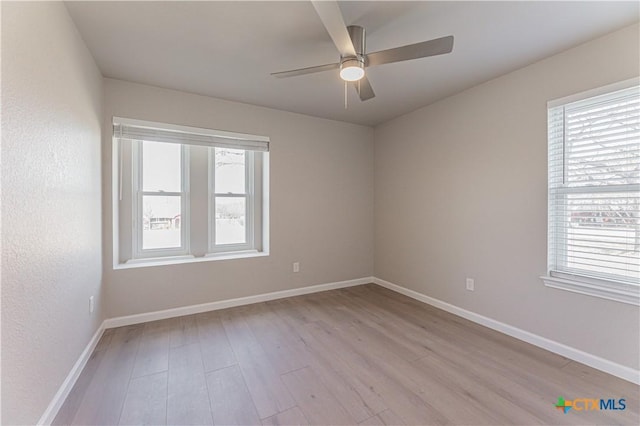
351 69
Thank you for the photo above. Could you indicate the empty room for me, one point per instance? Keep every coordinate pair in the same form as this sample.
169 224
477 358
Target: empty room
320 212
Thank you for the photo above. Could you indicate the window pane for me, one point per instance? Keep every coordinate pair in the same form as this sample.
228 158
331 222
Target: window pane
230 220
603 234
161 221
161 167
230 171
601 147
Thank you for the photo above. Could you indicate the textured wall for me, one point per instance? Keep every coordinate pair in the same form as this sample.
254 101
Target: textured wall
321 203
461 191
51 215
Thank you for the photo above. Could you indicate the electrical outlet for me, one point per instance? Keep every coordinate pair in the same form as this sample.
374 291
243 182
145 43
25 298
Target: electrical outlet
296 266
91 304
470 284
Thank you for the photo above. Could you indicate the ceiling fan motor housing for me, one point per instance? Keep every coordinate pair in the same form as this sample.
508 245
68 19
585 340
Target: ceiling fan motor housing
352 67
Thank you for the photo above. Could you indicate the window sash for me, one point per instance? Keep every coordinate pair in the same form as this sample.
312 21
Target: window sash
574 254
617 147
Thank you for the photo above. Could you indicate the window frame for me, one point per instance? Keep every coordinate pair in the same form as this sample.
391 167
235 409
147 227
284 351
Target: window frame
579 281
138 193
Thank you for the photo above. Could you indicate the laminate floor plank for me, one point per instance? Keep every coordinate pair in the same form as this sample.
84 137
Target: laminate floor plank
357 317
394 327
269 394
105 395
441 349
301 309
315 400
231 402
291 417
412 307
525 388
153 353
389 418
552 379
602 379
372 421
146 401
432 392
518 355
285 351
356 393
360 354
517 366
105 339
70 407
397 391
184 331
328 309
351 393
187 398
215 347
472 391
393 359
393 390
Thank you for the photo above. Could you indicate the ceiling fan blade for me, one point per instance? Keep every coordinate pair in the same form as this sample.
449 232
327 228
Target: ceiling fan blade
433 47
331 17
303 71
364 89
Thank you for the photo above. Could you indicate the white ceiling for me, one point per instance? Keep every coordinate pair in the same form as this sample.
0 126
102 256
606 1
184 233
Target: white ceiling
228 49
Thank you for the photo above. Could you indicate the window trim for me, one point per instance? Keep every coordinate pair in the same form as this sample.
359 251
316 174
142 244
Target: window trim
137 250
605 289
610 289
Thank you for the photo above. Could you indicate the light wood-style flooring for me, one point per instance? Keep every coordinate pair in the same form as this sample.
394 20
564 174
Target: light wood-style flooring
362 355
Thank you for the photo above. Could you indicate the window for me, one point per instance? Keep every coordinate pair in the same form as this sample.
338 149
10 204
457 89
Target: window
161 205
231 199
187 194
594 193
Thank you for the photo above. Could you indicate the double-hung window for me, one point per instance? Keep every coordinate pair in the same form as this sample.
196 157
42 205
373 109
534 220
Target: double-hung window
187 194
232 201
594 193
160 205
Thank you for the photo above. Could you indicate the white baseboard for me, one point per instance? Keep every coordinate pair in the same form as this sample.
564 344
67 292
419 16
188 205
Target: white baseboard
56 403
229 303
574 354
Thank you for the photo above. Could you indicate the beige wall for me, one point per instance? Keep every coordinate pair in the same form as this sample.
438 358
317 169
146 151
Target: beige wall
460 191
321 195
51 213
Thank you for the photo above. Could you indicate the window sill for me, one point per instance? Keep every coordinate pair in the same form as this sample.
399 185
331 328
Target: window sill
610 290
178 260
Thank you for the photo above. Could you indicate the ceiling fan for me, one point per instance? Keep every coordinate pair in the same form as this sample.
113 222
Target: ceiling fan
350 42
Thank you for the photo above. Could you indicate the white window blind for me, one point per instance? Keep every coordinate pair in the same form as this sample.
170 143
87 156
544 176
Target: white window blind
125 128
594 189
